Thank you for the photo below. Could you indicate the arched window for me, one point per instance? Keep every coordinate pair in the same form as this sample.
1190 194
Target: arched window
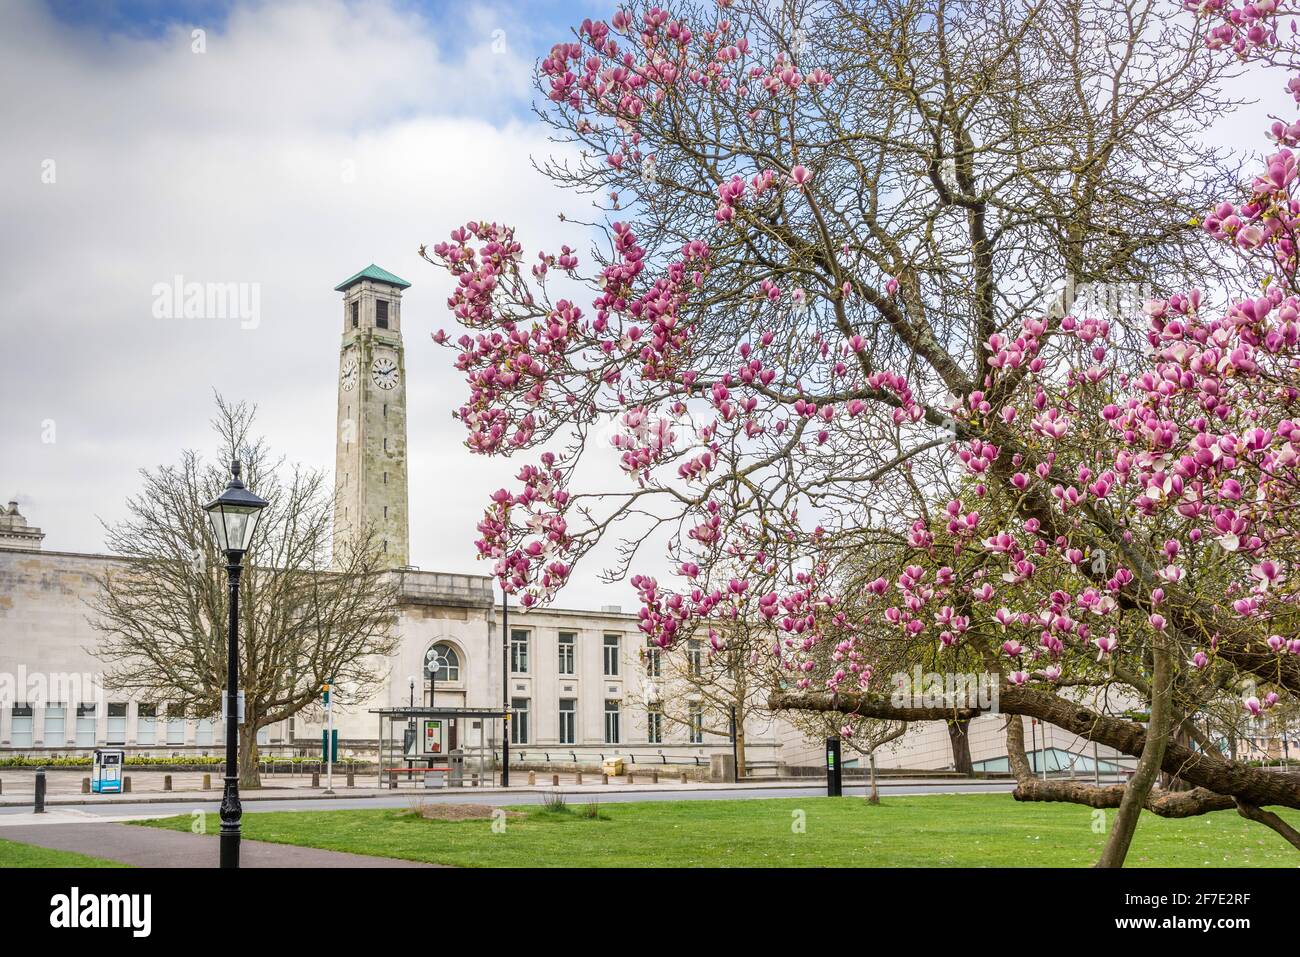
450 670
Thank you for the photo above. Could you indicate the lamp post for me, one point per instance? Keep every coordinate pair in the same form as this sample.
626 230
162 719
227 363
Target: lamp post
433 663
410 730
505 686
233 515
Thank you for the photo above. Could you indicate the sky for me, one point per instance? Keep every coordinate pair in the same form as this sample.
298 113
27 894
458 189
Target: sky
282 148
296 144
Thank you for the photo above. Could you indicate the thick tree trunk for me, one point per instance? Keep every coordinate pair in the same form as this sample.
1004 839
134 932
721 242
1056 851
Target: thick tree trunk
1031 788
249 776
740 751
959 738
1201 769
1138 789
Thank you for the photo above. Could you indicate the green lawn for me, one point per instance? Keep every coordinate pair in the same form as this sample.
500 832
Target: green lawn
29 855
966 830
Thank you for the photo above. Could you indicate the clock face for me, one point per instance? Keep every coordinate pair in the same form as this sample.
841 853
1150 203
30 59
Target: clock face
384 373
348 378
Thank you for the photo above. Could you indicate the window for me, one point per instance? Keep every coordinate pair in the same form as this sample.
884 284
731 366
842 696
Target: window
654 659
203 731
20 732
116 731
85 725
568 720
381 313
695 657
611 657
146 724
55 735
696 720
519 651
567 640
654 725
175 725
450 670
519 721
611 721
356 312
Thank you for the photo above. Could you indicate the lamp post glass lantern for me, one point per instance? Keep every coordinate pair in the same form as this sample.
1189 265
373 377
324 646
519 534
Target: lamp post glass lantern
233 515
433 663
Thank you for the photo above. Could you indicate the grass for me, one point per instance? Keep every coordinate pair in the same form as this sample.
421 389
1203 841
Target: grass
963 830
29 855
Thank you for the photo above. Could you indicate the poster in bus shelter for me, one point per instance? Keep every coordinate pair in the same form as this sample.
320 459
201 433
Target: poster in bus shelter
433 736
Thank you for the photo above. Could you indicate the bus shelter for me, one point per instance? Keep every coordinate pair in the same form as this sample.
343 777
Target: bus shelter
439 744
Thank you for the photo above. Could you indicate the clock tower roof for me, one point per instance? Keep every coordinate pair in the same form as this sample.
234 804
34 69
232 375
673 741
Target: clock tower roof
373 272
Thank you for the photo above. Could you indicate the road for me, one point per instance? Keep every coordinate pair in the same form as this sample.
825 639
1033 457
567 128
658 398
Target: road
408 798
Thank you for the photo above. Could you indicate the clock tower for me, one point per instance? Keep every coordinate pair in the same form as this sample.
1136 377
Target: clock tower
370 457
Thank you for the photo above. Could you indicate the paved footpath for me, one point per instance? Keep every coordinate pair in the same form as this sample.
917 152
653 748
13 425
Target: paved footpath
154 847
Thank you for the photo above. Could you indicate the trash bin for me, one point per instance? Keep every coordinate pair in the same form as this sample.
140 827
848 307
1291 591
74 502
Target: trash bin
106 771
456 768
613 767
434 779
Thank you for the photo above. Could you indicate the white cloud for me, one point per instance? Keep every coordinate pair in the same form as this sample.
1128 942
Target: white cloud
306 142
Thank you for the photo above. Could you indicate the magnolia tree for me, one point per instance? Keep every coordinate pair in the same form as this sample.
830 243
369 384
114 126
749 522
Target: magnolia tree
833 307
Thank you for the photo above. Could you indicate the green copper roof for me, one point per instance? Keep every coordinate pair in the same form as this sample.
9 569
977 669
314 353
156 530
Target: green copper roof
378 275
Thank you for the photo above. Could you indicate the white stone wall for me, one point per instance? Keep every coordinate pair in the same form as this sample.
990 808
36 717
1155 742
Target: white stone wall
45 629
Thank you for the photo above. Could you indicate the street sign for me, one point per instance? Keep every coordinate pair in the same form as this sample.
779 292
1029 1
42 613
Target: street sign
225 706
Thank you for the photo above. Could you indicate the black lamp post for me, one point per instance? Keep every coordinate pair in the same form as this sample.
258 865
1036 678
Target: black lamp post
410 730
233 515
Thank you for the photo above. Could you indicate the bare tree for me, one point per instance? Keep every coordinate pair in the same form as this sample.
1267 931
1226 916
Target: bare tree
703 683
163 610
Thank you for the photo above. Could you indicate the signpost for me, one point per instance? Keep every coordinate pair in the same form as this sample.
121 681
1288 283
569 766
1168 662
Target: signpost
834 779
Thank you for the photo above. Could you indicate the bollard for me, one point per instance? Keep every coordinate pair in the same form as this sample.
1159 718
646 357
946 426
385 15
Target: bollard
352 778
683 777
126 785
604 779
207 782
654 777
532 777
2 787
578 778
85 785
315 779
630 777
39 804
167 782
555 780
